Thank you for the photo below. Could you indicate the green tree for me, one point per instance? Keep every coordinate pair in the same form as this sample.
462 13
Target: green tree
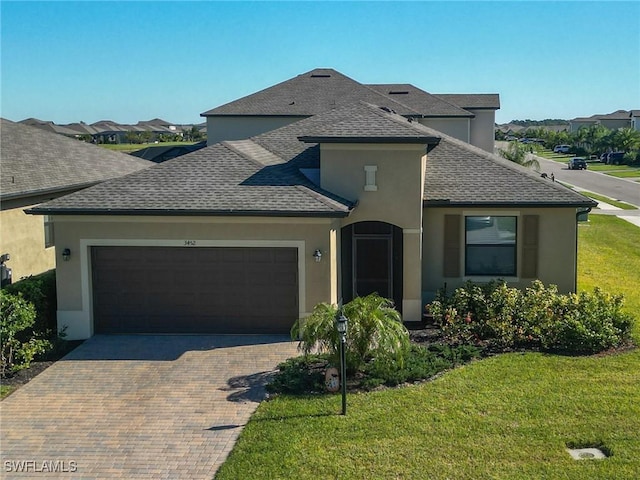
518 153
375 330
595 139
626 139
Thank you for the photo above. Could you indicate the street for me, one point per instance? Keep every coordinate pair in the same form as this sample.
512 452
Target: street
617 188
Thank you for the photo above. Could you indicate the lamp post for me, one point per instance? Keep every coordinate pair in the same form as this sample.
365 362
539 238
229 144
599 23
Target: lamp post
341 326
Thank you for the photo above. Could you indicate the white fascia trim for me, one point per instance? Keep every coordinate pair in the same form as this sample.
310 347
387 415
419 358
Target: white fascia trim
85 260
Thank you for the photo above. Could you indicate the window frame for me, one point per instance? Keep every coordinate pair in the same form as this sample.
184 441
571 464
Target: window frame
49 232
513 246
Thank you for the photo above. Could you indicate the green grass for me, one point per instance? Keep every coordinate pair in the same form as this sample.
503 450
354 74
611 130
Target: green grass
5 390
608 257
610 201
628 174
506 417
603 167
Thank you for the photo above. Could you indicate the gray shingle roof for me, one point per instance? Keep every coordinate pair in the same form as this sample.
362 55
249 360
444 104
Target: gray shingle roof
217 180
364 122
34 161
421 101
478 101
459 174
308 94
262 175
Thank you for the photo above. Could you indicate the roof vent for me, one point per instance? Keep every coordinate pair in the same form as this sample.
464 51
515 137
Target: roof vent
320 75
398 92
387 109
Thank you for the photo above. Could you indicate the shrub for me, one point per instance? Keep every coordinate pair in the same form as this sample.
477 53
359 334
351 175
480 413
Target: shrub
17 343
375 330
420 363
41 291
536 318
300 375
306 374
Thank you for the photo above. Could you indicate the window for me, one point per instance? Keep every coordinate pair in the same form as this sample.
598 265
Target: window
490 245
48 232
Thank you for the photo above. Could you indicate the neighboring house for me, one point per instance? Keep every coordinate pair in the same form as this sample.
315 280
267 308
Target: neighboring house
38 166
246 236
468 117
634 115
159 154
612 121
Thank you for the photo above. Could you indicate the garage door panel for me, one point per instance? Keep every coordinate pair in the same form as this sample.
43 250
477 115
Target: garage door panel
194 290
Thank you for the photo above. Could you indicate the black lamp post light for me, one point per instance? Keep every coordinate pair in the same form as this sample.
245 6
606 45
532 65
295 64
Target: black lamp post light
341 326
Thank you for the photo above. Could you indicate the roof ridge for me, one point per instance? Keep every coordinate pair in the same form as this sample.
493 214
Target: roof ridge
236 146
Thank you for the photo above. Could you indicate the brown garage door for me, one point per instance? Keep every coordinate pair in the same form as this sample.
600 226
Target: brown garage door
194 290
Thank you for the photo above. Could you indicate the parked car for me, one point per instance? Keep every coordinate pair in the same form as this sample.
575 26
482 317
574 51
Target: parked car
603 157
615 158
561 149
577 163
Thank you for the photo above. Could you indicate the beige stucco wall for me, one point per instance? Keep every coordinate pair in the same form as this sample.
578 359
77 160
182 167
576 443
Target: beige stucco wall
22 237
397 199
556 247
455 127
241 127
317 280
482 129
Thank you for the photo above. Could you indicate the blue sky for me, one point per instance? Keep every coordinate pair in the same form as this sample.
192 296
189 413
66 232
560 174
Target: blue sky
130 61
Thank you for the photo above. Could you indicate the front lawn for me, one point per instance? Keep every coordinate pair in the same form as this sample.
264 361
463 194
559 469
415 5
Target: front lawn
610 201
506 417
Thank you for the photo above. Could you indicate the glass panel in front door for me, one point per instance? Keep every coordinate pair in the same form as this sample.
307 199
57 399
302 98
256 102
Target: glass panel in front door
372 267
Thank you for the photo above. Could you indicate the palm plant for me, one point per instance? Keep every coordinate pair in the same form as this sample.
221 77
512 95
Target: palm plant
375 331
517 153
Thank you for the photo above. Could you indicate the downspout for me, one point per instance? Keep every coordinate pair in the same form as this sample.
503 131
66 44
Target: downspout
575 268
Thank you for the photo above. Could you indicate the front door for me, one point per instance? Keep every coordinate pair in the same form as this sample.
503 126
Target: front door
372 261
372 268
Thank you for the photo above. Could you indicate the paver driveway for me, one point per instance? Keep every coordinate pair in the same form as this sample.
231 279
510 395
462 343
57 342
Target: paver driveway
138 406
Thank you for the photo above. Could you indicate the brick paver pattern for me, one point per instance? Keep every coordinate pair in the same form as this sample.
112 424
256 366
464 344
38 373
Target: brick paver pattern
138 407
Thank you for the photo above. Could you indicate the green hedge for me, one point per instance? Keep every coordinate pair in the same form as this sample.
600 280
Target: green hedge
40 290
537 317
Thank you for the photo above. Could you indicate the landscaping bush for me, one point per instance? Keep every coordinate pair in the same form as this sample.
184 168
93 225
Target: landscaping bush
535 318
300 375
420 363
375 330
40 290
18 344
306 374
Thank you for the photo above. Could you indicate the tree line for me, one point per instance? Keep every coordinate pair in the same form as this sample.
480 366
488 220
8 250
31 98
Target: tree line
593 140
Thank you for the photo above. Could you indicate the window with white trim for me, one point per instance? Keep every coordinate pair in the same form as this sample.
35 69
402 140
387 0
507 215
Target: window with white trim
490 245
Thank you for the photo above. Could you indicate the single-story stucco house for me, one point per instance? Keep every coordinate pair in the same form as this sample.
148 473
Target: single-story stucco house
38 166
246 236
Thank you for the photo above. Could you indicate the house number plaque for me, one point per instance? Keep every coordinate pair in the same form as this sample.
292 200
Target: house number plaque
189 243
